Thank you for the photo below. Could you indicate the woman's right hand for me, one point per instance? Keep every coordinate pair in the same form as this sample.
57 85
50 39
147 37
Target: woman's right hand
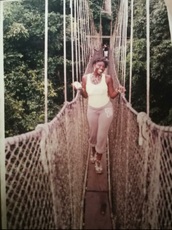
77 85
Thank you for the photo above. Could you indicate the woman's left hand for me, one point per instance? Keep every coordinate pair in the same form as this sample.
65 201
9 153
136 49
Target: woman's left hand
121 89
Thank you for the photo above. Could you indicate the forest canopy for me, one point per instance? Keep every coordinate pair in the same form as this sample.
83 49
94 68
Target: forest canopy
24 60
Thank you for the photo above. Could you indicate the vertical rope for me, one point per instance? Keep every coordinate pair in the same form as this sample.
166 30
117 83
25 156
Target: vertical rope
119 36
79 42
169 11
72 48
86 23
125 42
131 52
148 56
88 26
75 35
82 37
100 26
46 61
2 125
85 34
64 48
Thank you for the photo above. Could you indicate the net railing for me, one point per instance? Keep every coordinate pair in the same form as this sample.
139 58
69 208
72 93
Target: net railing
45 172
140 162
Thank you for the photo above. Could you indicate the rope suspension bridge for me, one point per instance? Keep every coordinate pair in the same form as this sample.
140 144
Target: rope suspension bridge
47 181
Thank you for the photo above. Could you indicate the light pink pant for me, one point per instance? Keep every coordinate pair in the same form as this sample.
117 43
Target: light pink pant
99 120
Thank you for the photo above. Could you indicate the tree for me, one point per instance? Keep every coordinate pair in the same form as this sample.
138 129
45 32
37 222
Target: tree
24 64
160 62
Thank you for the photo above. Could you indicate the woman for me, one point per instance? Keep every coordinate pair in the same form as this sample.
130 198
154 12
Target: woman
98 88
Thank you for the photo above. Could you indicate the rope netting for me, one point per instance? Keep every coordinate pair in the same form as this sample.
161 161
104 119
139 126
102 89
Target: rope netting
140 163
45 172
140 152
45 168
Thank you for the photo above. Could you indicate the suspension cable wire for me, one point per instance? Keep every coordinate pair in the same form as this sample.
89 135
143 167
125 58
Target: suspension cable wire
100 28
46 62
75 38
119 36
169 11
72 48
84 34
125 41
64 49
148 56
86 29
82 37
124 44
79 41
119 41
89 30
92 40
3 210
126 27
131 52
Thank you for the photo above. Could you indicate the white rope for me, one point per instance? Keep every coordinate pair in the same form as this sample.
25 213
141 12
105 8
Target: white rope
169 10
125 36
72 45
123 42
46 62
64 48
79 42
148 57
87 26
82 36
131 52
75 38
119 26
2 129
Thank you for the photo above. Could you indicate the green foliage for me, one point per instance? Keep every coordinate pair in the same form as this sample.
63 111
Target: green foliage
24 30
24 63
138 74
160 62
161 82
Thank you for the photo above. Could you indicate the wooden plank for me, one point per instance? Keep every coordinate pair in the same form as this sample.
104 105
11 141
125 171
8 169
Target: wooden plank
97 182
97 211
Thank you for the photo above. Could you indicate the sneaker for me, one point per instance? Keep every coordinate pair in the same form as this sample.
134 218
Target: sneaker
98 167
93 158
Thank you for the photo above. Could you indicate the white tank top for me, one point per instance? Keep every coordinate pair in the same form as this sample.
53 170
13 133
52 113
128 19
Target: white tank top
97 93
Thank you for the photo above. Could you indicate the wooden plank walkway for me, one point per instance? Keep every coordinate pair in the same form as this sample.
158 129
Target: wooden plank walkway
97 213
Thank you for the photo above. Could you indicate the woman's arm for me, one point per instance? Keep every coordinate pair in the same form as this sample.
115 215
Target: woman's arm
81 86
83 90
111 91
